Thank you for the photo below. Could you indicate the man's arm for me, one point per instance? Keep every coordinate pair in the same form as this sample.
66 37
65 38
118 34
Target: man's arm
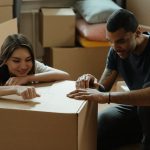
108 78
139 97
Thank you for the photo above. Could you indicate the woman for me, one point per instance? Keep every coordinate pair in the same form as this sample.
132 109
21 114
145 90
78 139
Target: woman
18 65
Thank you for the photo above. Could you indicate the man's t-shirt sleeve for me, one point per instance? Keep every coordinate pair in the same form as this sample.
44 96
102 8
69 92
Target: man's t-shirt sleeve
111 62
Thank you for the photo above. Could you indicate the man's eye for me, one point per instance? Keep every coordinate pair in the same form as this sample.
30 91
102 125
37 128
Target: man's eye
122 41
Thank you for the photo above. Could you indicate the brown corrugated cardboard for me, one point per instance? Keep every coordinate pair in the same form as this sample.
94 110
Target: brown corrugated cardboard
6 10
53 122
5 13
57 27
6 2
78 61
7 28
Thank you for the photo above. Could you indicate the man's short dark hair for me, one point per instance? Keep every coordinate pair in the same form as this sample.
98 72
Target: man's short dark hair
122 18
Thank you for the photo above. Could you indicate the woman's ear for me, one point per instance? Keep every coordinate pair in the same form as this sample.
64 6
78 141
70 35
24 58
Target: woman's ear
138 31
5 62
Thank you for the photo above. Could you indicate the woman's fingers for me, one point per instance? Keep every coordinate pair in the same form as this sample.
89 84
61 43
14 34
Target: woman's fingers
28 93
10 81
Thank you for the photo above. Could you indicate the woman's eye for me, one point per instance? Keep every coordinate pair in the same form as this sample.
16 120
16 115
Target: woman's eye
16 61
29 60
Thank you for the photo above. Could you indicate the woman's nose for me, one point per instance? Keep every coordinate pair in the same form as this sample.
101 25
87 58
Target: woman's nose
23 65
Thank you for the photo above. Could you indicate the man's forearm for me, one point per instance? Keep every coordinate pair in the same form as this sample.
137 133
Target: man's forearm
137 97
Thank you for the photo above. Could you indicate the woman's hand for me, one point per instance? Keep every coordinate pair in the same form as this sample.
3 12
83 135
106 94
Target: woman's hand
86 81
17 81
26 92
90 95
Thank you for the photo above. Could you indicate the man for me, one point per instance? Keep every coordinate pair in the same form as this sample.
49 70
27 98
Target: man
129 56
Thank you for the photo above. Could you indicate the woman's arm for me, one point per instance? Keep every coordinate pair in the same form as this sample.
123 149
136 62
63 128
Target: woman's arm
43 73
8 91
25 91
51 75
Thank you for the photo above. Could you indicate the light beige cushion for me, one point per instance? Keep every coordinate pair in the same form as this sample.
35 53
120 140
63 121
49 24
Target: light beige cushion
95 11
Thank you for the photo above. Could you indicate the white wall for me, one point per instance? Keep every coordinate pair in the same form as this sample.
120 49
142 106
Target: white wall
141 8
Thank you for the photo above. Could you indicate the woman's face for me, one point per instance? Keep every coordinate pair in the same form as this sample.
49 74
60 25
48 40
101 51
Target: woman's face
20 62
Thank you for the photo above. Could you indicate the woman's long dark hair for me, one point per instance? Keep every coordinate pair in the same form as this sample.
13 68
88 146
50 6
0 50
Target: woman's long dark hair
11 43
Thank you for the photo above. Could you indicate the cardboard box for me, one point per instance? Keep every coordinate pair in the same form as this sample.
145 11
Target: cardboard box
7 28
57 27
6 10
50 122
77 61
5 13
6 2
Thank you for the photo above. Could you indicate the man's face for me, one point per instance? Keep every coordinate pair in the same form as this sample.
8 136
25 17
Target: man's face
122 42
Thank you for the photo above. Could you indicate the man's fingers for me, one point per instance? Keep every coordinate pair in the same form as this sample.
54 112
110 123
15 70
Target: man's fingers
77 93
81 97
83 81
77 90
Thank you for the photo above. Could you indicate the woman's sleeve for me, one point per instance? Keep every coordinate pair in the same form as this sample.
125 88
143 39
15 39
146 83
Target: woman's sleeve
40 67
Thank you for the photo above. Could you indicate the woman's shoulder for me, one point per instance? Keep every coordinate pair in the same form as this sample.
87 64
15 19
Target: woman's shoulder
41 67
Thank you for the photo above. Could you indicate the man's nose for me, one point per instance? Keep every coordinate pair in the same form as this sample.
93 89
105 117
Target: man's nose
115 46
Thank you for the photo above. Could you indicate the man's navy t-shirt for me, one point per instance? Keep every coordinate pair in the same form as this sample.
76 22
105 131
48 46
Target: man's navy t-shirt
135 69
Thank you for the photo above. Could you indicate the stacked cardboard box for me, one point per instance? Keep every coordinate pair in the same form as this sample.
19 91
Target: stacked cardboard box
57 27
6 10
7 28
77 61
58 33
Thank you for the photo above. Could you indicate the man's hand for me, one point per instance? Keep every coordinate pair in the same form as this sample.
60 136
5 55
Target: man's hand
87 81
90 95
